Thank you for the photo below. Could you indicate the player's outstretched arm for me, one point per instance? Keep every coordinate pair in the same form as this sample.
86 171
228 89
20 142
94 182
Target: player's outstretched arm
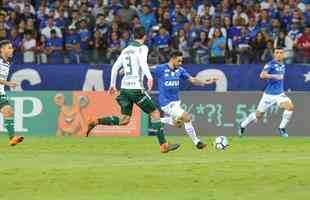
197 81
145 67
266 75
10 84
114 72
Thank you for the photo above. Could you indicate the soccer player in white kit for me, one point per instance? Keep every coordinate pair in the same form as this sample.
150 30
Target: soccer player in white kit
133 59
6 54
273 72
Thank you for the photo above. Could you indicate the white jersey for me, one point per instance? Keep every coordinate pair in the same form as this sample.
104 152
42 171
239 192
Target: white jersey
134 61
4 73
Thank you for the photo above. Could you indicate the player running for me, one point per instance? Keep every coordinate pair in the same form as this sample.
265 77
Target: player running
168 80
6 54
274 94
134 61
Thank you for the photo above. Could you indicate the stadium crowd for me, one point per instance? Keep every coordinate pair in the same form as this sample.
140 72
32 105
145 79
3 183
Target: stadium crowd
205 31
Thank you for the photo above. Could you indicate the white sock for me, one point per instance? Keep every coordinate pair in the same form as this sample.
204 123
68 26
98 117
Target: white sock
286 116
248 120
191 132
167 120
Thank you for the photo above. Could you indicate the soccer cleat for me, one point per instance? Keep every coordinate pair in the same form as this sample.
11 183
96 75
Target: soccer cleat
200 145
91 126
282 132
240 131
166 147
15 140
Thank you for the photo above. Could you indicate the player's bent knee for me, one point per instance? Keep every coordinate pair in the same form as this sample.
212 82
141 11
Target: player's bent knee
7 111
186 117
291 107
287 106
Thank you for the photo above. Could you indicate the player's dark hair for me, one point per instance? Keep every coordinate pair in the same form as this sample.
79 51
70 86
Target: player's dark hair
4 42
278 47
139 32
175 54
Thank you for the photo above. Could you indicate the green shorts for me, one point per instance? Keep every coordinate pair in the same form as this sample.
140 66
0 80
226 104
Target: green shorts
3 101
128 97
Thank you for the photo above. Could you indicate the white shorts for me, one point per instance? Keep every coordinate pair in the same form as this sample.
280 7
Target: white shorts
173 109
268 100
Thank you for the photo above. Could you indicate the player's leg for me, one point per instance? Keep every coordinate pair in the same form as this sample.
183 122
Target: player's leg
169 115
288 107
165 147
126 109
178 115
8 116
144 101
265 102
190 130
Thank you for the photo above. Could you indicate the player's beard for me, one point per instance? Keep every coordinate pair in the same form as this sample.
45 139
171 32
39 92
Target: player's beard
10 57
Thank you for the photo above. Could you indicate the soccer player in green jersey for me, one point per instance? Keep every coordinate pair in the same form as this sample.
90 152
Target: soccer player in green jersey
6 53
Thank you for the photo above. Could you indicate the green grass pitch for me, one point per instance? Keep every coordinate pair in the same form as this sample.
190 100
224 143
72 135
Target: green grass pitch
110 168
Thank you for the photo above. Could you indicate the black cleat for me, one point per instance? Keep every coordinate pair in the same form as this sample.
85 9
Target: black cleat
91 126
200 145
241 131
165 148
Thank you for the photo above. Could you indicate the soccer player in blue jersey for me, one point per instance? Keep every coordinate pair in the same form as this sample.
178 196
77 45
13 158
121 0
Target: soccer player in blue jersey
273 72
168 79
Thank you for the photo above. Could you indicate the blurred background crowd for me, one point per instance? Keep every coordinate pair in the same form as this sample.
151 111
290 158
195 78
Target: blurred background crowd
205 31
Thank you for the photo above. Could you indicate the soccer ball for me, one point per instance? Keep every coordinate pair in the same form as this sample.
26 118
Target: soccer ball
221 143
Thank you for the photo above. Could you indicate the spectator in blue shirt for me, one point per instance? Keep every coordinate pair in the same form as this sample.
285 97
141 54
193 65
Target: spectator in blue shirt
162 42
286 17
114 6
16 40
243 47
307 15
72 44
85 36
61 21
264 21
54 48
217 45
147 18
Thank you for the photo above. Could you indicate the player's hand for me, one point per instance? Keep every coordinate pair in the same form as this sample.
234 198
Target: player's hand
215 78
149 84
112 91
212 80
12 85
121 72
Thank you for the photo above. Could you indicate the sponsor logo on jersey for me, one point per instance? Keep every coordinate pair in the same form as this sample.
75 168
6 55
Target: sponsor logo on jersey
172 83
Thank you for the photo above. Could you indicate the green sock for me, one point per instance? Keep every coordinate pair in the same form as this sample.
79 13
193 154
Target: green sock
9 125
159 132
113 120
